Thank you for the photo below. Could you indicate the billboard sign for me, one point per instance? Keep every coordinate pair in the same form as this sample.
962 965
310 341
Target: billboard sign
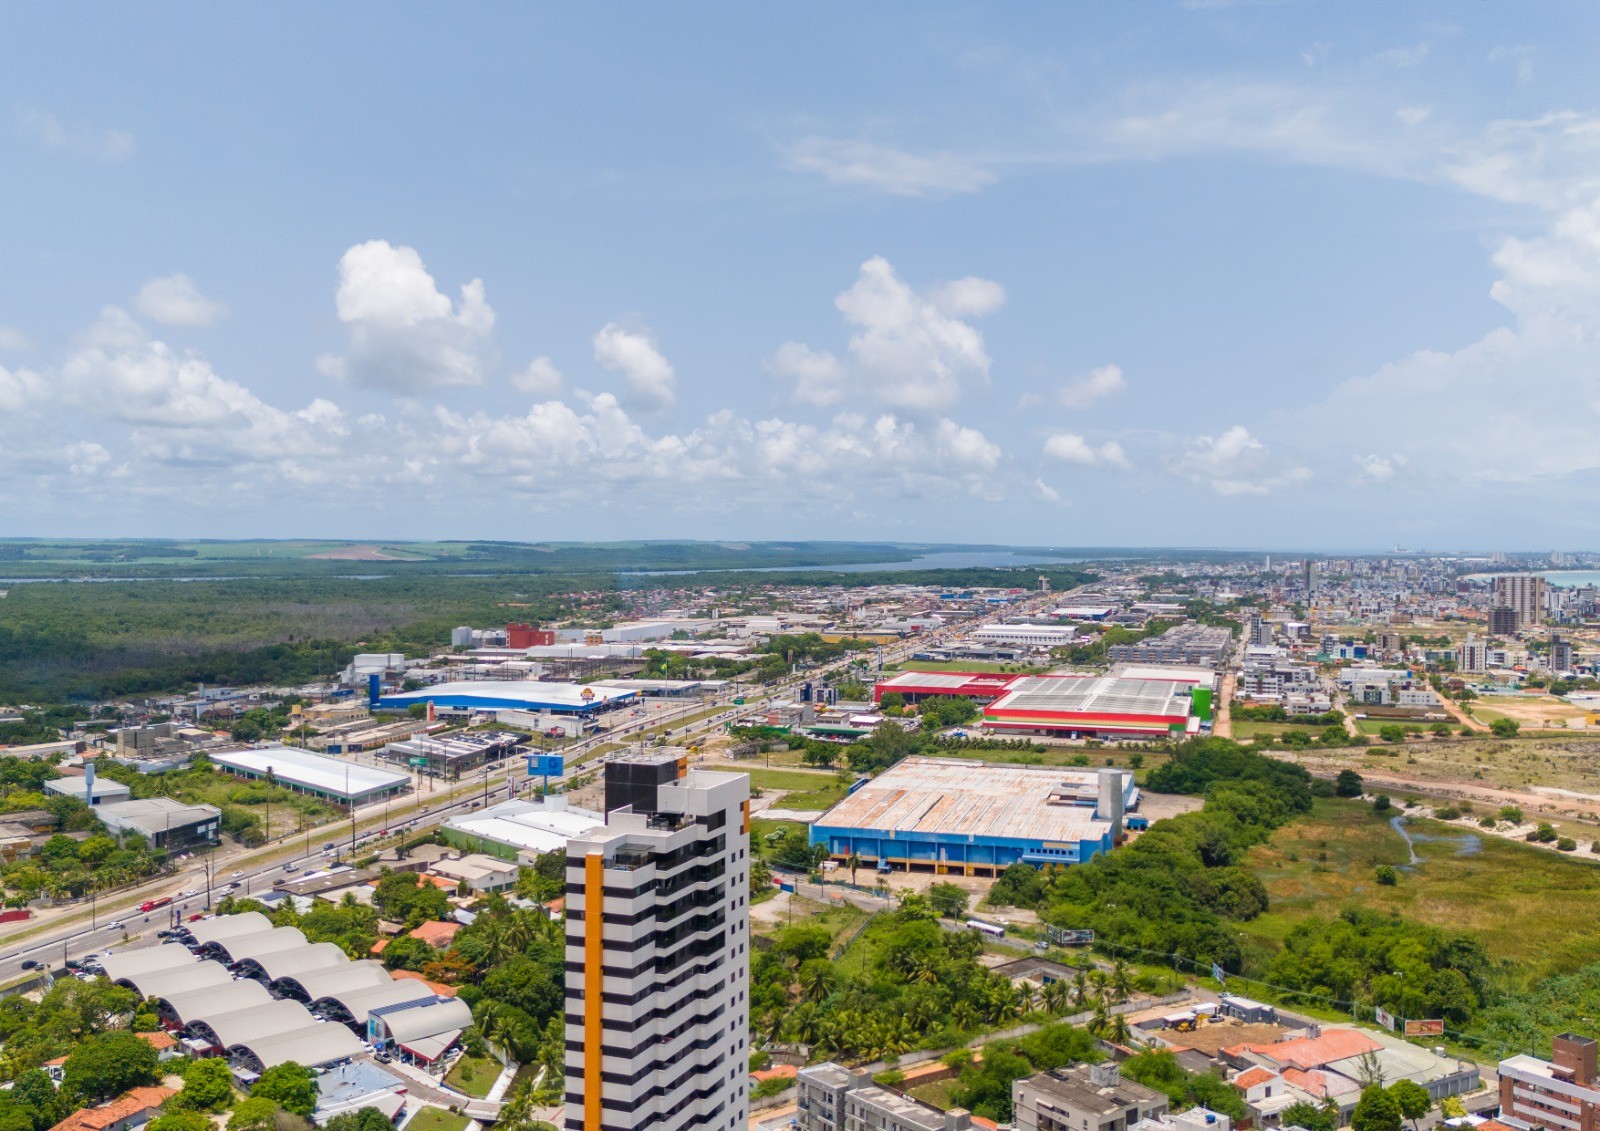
546 765
1386 1019
1433 1028
1063 937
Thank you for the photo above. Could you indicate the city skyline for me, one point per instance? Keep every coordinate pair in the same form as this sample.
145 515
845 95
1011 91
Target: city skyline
1098 276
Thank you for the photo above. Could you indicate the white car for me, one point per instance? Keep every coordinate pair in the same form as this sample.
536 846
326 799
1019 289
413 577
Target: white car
238 875
114 925
190 894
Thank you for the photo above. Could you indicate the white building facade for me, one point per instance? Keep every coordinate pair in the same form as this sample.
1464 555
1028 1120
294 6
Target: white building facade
658 953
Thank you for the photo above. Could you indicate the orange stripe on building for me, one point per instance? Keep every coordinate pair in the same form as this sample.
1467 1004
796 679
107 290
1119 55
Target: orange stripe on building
594 901
744 826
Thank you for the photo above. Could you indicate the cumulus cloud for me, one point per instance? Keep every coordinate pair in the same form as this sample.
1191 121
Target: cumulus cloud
1093 386
1046 492
887 169
79 139
405 334
908 350
652 382
539 377
1379 469
1235 463
20 389
174 300
1068 447
819 377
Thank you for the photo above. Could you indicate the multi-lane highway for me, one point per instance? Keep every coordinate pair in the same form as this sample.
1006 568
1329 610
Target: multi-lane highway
111 920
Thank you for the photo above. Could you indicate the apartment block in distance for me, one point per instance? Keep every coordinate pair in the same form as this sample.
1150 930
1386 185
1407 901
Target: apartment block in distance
831 1097
658 952
1561 1094
1088 1097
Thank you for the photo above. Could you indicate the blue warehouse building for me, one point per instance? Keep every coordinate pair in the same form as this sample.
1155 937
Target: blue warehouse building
954 817
514 695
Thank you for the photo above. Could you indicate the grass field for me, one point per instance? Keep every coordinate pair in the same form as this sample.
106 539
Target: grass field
803 789
1498 889
962 666
474 1075
941 1093
1248 728
436 1119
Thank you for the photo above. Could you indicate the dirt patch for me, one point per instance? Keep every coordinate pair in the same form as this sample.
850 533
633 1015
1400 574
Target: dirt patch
1212 1038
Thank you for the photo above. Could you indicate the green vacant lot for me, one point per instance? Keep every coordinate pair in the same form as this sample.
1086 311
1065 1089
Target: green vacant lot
1503 891
436 1119
804 789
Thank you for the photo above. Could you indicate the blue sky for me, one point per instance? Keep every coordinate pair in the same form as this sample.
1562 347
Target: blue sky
1201 273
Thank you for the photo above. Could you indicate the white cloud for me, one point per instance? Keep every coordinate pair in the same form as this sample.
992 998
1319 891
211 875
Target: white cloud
174 300
652 382
819 377
909 350
1093 386
85 141
1235 463
540 377
1068 447
1377 468
405 335
20 389
1046 492
887 169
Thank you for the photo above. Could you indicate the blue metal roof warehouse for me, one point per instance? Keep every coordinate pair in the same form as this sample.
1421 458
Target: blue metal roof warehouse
514 695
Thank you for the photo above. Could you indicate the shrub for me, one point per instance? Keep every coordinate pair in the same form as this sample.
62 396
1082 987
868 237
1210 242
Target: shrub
1511 814
1544 834
1447 813
1381 803
1387 876
1566 844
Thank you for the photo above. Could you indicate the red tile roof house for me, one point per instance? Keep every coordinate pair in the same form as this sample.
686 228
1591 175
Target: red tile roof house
133 1109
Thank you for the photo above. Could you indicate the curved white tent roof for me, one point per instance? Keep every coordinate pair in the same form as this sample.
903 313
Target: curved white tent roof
360 1003
428 1030
228 927
182 979
193 1005
299 960
318 984
261 943
241 1026
121 964
313 1046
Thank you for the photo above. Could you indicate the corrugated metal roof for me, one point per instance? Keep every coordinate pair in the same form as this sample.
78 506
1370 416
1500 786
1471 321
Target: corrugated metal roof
965 798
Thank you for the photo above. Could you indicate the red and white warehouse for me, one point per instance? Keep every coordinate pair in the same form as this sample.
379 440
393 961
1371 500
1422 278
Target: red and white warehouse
1069 706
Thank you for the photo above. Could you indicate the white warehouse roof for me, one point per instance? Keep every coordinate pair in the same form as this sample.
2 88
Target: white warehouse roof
529 826
316 773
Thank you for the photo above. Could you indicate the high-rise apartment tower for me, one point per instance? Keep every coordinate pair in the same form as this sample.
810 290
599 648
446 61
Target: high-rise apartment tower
658 952
1523 592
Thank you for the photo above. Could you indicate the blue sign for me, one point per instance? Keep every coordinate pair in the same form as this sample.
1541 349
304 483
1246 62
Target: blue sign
546 765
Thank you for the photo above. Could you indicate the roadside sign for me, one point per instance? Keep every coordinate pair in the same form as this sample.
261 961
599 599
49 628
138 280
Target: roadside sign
1429 1028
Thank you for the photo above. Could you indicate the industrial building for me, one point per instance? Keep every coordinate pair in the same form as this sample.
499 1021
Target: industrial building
951 816
1147 703
343 783
88 790
658 953
468 695
1026 635
1099 707
165 823
1085 1097
913 687
521 830
451 755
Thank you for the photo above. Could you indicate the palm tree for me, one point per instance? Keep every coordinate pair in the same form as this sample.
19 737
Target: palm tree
1117 1031
1080 989
963 1016
816 981
1121 980
496 946
1100 1021
853 861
